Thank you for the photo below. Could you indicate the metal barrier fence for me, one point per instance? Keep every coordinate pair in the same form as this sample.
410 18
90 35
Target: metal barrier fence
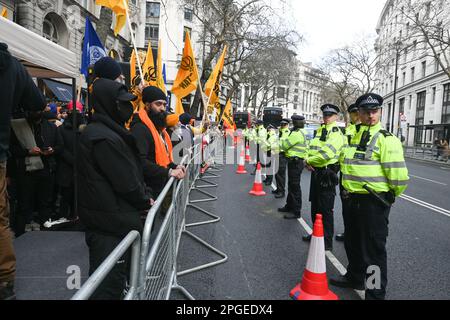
153 273
421 153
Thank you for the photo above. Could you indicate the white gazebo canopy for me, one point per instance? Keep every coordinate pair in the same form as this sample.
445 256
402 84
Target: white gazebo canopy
41 57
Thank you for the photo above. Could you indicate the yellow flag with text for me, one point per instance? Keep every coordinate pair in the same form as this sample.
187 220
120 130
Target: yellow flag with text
134 80
4 13
212 87
159 76
187 77
119 7
179 107
227 116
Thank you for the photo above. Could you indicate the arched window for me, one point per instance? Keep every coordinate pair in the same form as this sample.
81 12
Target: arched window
49 30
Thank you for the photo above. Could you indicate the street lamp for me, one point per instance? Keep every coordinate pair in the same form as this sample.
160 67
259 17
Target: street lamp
397 45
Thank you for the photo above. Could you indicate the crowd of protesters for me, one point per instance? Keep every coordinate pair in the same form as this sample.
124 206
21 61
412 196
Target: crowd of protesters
124 159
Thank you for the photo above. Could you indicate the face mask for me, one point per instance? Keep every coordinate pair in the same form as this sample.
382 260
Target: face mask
158 118
125 110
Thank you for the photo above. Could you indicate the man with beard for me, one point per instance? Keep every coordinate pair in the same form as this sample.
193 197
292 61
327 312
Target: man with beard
112 193
153 142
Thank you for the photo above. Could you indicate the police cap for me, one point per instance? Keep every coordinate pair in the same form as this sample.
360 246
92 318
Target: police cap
297 118
330 109
285 122
352 108
259 122
370 101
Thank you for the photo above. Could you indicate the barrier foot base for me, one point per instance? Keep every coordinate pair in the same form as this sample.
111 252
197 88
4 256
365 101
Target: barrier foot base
214 220
183 291
210 198
204 266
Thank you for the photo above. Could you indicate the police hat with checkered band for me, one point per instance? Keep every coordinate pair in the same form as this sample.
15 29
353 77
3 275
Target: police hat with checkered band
370 101
353 108
330 109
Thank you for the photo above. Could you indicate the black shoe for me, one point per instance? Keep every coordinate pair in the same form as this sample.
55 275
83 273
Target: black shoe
340 237
7 291
268 183
285 209
274 191
307 238
343 282
292 216
280 196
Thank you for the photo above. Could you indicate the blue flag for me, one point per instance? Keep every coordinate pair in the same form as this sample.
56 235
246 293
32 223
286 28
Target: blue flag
164 73
93 49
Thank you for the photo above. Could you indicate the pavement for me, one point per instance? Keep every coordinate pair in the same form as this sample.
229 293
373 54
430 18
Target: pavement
267 256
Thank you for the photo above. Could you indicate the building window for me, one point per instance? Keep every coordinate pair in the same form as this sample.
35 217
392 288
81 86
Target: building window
153 9
295 98
437 65
404 78
424 69
151 31
188 14
413 73
49 31
433 95
446 105
420 115
134 29
186 30
281 93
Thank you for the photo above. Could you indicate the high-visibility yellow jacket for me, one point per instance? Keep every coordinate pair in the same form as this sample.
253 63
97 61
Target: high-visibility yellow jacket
260 135
246 133
295 145
326 147
271 141
379 163
283 134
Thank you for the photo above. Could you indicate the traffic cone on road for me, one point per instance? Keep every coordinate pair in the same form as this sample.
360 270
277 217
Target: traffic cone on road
314 285
258 186
241 166
247 154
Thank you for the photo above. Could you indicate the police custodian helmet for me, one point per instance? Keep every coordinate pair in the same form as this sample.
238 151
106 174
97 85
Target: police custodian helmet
370 101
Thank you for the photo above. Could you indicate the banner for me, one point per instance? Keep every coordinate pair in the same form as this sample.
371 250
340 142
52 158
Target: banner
212 87
93 49
227 116
179 110
148 68
187 77
119 7
159 76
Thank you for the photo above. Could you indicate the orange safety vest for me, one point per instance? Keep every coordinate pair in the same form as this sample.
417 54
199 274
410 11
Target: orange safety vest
163 156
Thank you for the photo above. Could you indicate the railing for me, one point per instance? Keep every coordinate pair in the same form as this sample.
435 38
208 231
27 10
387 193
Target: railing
425 153
153 273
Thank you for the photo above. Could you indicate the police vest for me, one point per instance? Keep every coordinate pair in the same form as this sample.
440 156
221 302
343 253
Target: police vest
325 149
374 159
295 145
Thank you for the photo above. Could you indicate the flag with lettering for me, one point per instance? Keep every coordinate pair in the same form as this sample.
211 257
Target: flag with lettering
159 75
227 116
212 87
148 69
187 77
93 49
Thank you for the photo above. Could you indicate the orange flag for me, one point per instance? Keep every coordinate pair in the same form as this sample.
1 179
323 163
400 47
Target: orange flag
212 87
159 75
179 107
4 13
148 68
187 77
119 7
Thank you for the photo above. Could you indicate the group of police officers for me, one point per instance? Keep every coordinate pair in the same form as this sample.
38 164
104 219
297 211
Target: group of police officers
366 162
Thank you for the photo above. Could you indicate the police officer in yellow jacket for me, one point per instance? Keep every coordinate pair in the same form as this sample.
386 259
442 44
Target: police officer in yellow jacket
260 135
350 131
295 148
374 174
323 161
280 177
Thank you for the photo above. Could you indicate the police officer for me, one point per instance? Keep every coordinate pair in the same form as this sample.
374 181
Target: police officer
260 135
323 162
374 173
280 177
267 145
295 148
350 131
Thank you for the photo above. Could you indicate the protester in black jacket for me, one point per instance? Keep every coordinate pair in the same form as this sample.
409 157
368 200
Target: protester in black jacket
112 193
17 89
37 186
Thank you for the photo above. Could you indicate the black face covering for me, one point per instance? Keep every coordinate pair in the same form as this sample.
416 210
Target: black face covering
158 118
125 110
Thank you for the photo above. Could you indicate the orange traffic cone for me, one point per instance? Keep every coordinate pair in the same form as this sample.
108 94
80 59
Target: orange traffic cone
314 285
247 155
241 167
258 186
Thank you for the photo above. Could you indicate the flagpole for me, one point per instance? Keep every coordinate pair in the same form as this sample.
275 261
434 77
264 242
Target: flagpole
133 40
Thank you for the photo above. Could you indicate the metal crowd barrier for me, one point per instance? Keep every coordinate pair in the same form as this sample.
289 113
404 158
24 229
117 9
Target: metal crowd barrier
153 273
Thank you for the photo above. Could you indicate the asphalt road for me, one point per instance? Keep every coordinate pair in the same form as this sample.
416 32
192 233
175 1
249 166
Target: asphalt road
266 256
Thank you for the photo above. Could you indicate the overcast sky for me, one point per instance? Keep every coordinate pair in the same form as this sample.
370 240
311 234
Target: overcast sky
328 24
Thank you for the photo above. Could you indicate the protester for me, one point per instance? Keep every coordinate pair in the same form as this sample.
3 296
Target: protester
112 194
154 144
36 167
17 89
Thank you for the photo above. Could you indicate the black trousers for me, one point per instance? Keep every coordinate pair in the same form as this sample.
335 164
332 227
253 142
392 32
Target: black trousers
34 188
294 198
367 229
322 202
100 247
280 177
66 207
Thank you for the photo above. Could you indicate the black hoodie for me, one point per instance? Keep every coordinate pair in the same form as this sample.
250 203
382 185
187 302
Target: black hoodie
17 91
